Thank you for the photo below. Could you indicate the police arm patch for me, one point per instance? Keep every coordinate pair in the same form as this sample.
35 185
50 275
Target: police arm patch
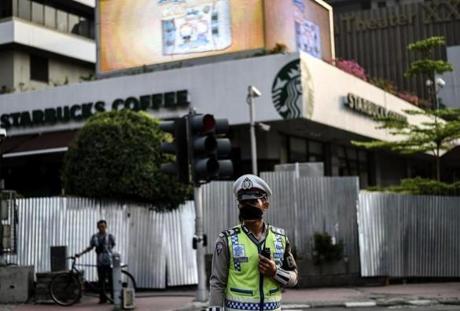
219 248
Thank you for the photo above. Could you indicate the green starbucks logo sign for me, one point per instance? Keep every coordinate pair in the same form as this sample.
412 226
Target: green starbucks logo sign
287 91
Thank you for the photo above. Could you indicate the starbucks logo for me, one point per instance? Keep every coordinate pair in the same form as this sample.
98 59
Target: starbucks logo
287 92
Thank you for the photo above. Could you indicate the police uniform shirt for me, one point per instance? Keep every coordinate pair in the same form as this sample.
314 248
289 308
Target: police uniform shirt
286 275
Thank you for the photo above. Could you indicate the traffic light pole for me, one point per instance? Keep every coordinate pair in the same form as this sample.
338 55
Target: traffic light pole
202 152
202 292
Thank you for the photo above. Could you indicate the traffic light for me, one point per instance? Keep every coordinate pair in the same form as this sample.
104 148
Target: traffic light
207 152
179 148
224 149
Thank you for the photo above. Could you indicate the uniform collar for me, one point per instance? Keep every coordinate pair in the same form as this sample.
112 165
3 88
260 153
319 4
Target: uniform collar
252 236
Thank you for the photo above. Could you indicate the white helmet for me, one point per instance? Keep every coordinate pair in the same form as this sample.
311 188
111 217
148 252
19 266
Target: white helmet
249 187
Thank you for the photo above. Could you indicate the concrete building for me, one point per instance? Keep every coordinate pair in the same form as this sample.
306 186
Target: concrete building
314 110
45 44
376 34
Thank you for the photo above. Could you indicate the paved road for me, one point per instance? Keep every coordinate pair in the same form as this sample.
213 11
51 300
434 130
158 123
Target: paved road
398 308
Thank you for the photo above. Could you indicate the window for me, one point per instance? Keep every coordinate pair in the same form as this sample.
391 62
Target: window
353 162
381 4
366 5
62 21
24 9
304 150
74 21
50 17
297 150
38 13
5 8
39 68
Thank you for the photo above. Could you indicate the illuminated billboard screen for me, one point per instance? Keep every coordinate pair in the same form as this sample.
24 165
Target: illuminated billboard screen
301 25
135 33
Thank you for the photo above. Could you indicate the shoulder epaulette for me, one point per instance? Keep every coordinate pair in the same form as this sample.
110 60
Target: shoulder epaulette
230 232
278 230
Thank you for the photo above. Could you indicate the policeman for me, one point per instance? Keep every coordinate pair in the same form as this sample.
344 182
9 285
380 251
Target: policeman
252 260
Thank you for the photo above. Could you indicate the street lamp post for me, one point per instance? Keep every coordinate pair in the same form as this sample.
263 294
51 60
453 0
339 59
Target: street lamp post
437 85
253 92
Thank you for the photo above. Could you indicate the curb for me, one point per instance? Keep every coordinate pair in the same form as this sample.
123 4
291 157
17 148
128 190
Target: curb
196 306
359 304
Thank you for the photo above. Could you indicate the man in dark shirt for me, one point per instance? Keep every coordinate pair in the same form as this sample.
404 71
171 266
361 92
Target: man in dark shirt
103 243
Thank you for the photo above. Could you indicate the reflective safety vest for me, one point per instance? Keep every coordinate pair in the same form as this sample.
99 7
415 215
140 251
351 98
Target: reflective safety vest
247 288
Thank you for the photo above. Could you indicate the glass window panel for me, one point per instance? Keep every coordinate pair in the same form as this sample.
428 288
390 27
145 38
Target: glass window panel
298 150
363 155
5 8
315 147
84 27
50 17
39 70
353 171
352 154
24 9
61 19
314 158
37 13
91 29
15 8
74 22
364 180
340 152
298 145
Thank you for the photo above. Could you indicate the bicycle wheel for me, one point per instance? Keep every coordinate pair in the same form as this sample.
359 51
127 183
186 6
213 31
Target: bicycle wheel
127 280
65 289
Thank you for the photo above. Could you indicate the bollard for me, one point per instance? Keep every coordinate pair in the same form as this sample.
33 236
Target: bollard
116 281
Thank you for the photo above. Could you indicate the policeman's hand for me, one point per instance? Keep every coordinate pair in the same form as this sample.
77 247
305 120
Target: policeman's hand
267 266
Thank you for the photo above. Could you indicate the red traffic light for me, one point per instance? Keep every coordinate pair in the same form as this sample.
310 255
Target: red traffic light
209 123
203 124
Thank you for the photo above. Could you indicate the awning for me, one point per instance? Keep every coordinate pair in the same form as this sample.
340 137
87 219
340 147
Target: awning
26 145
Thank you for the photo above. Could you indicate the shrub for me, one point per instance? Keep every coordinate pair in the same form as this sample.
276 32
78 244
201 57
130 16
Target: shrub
116 155
421 186
386 85
351 67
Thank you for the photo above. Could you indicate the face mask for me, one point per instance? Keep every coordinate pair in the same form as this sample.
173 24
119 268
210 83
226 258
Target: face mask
250 212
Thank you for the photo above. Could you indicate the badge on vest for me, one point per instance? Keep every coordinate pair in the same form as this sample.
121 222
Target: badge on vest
238 251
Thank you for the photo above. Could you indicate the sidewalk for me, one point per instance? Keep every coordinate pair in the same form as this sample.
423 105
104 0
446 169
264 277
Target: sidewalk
392 295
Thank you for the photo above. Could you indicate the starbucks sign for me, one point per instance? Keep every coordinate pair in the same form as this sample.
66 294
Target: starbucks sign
287 91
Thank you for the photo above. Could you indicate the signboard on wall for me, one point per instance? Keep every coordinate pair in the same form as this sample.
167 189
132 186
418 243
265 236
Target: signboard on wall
136 33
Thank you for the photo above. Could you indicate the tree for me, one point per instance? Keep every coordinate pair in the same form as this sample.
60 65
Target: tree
427 67
433 136
116 155
442 128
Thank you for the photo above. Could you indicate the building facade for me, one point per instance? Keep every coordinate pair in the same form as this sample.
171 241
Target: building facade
45 44
376 34
313 109
309 121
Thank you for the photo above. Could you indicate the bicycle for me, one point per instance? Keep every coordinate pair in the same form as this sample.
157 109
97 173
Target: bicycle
67 288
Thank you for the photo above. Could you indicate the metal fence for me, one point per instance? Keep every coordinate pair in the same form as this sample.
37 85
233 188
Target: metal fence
399 235
409 236
156 246
300 205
